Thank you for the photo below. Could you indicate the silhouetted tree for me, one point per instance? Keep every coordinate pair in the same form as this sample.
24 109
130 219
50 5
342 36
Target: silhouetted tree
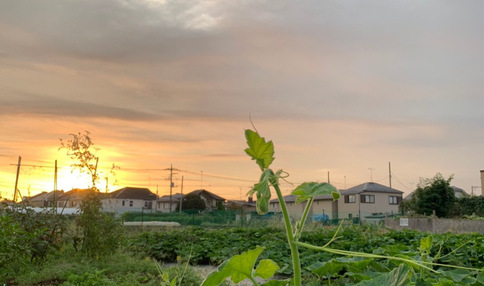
80 148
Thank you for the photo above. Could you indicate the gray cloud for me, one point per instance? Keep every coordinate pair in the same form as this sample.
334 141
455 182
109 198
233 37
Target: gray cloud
397 62
42 105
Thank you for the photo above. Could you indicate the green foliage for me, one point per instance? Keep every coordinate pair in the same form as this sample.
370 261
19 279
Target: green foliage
88 279
12 244
434 194
260 150
467 206
193 202
27 237
241 267
214 246
306 191
100 232
178 275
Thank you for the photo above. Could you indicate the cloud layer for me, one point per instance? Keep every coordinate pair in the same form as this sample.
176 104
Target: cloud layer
373 82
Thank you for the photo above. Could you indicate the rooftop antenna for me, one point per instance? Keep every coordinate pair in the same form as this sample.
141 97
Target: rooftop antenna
390 173
371 174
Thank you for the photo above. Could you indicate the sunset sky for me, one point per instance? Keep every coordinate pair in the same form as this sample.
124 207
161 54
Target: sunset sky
343 87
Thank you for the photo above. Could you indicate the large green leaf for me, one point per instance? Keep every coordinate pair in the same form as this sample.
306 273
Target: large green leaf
277 283
397 277
309 190
266 269
239 267
327 269
260 150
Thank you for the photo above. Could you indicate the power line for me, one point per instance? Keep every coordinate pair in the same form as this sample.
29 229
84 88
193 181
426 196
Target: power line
393 174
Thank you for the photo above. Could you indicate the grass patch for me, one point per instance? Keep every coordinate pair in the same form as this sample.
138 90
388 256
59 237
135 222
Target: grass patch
118 269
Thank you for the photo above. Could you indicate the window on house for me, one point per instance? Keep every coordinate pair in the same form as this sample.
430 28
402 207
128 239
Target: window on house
130 203
123 203
369 199
349 199
393 200
148 204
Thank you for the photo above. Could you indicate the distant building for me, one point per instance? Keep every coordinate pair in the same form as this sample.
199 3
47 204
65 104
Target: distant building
368 199
163 203
364 200
129 199
44 199
239 205
322 205
211 199
459 193
482 182
72 198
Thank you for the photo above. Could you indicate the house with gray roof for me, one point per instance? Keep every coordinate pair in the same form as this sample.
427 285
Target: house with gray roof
44 199
167 203
368 199
129 199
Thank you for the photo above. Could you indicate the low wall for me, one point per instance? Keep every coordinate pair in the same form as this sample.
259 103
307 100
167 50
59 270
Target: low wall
436 225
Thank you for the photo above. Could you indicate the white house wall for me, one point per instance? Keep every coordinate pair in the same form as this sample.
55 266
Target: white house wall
130 205
164 207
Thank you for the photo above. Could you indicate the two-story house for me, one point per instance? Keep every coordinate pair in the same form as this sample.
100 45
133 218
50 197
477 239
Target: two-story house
368 199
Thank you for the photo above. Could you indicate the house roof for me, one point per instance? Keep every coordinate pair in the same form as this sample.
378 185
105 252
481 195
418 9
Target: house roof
287 199
370 187
207 194
241 203
174 197
458 192
74 194
45 196
132 193
292 198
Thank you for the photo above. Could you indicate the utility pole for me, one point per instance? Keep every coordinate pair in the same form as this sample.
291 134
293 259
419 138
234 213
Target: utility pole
181 197
390 173
472 189
171 184
94 177
328 178
16 179
55 188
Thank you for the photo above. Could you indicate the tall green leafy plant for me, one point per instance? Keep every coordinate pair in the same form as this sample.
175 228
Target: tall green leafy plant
263 153
100 232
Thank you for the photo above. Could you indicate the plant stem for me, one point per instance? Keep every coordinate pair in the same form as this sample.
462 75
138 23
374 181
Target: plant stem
254 281
302 222
296 263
